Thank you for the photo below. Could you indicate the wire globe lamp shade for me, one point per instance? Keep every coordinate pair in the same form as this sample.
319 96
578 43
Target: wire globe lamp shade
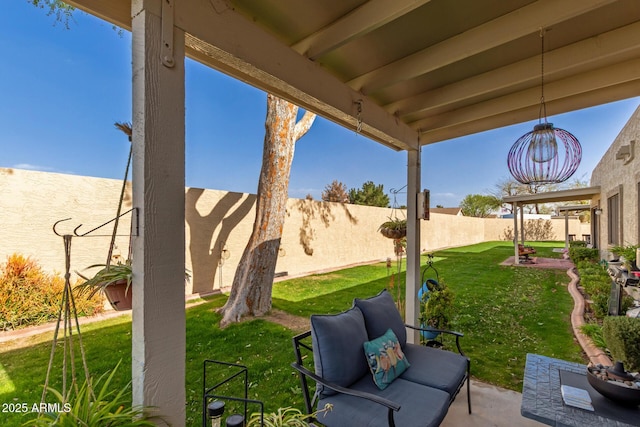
546 155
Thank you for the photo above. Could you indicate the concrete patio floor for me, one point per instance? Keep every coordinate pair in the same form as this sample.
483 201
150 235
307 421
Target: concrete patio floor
491 406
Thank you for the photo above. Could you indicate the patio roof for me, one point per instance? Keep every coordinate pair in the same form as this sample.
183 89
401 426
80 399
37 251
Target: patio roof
570 195
421 70
404 73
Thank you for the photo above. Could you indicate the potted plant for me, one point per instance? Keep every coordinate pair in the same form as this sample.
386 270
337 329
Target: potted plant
627 254
395 228
114 280
436 309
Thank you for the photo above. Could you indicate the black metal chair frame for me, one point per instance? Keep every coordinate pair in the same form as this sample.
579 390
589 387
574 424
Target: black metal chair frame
304 373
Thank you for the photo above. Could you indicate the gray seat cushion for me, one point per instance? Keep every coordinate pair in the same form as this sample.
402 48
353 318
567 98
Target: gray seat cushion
436 368
380 313
338 353
421 406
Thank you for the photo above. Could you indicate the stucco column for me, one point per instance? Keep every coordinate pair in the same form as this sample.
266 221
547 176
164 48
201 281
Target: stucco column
413 244
159 331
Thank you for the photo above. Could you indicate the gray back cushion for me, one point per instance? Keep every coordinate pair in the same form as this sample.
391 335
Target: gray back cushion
380 313
338 353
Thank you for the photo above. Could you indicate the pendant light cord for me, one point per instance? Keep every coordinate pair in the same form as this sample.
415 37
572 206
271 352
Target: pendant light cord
543 106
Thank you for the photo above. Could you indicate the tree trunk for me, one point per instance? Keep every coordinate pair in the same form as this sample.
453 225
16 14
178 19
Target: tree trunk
253 280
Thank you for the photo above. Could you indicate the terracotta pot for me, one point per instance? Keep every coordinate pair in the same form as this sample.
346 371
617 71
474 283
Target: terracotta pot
119 296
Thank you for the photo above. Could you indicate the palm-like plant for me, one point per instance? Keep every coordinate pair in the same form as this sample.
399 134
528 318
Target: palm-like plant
106 408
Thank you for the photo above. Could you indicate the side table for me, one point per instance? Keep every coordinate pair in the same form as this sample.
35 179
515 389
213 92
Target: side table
542 398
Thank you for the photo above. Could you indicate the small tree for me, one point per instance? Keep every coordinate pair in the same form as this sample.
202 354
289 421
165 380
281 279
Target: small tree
335 192
251 288
369 195
479 205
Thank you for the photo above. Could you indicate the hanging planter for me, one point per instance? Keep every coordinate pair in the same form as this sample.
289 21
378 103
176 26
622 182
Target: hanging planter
114 280
394 229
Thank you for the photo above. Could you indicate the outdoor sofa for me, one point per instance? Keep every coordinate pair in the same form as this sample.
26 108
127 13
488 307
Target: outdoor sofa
347 376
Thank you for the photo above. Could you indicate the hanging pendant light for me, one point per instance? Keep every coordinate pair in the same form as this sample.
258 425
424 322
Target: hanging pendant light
546 155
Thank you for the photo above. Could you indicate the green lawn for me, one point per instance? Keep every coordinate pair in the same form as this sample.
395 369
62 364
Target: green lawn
504 312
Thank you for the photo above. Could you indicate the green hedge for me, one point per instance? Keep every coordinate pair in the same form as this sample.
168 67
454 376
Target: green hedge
579 253
597 285
622 335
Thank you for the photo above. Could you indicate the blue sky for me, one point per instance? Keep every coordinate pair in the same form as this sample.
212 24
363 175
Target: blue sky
62 90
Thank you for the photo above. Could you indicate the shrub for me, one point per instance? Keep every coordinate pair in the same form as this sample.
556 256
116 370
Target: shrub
622 335
577 244
29 296
597 285
578 253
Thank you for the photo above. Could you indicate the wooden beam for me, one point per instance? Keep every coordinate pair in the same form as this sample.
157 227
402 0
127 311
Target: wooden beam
116 12
519 23
568 88
604 49
225 40
362 20
559 106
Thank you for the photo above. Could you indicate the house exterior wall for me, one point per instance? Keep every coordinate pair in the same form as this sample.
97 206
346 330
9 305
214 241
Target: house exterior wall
617 174
317 236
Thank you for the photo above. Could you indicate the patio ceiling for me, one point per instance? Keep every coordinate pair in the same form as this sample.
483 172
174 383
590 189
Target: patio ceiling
422 71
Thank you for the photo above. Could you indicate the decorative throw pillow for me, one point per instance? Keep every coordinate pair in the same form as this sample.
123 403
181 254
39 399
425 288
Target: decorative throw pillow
386 359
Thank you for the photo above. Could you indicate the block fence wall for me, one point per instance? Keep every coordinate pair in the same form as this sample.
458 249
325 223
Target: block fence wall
318 236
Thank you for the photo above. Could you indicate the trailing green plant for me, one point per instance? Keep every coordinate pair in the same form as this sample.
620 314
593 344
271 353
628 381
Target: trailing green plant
90 407
29 296
395 228
622 335
286 417
107 275
594 331
437 310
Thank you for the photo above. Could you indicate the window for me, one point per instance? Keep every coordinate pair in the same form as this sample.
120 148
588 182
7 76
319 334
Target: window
613 219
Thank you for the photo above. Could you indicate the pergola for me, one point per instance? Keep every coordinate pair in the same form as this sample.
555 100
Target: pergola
405 73
571 195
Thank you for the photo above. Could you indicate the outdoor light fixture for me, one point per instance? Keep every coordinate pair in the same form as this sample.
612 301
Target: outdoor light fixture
597 211
546 155
215 410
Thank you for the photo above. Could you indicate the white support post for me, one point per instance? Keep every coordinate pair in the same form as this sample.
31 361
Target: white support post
413 244
522 233
566 229
159 326
514 208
